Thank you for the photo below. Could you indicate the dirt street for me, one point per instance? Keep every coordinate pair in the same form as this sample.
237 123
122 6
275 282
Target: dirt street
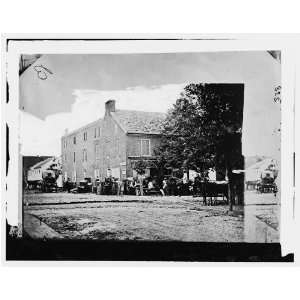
87 216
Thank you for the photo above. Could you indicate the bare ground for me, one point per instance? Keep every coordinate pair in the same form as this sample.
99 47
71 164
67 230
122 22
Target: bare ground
145 218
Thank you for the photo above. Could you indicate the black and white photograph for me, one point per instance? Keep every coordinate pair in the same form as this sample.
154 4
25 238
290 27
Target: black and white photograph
158 154
149 150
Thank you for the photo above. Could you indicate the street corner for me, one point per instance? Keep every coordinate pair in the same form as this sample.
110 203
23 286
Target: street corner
36 229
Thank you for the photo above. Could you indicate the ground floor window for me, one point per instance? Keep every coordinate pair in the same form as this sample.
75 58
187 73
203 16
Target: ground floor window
115 172
74 176
97 173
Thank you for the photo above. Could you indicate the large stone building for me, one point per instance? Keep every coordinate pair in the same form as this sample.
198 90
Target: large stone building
111 146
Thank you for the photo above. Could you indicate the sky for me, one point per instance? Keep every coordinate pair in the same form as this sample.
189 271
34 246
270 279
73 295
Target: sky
75 91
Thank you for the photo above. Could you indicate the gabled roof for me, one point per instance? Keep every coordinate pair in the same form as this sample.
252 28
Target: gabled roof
263 165
132 121
29 161
41 163
254 171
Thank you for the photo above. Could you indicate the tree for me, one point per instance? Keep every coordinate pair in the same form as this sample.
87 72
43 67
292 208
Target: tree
203 130
139 166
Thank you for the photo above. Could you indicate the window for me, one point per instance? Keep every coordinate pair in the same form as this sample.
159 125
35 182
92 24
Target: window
84 155
97 132
97 151
145 147
74 156
117 145
85 136
74 140
74 176
97 173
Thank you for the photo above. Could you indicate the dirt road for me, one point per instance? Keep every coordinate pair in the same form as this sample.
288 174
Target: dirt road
87 216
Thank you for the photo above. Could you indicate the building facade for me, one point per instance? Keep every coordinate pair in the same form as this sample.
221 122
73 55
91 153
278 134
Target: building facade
112 145
78 152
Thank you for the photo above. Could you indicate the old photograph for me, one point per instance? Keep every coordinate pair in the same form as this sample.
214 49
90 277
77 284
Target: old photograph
181 146
163 149
149 150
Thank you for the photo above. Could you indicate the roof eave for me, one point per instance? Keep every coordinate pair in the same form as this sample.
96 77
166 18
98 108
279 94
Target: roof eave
115 118
144 133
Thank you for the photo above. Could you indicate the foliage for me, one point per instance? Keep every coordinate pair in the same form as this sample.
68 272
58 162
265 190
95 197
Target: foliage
140 166
203 127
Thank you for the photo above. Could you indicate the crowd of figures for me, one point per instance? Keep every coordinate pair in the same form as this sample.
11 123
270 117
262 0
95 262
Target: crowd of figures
200 186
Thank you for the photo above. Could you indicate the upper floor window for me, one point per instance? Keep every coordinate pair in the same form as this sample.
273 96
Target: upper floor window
97 132
117 145
74 140
145 147
65 143
85 136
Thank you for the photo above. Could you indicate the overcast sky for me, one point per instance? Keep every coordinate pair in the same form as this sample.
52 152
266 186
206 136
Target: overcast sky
75 93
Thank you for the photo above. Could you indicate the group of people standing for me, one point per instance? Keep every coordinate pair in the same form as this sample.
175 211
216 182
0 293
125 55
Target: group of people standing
166 186
144 186
170 186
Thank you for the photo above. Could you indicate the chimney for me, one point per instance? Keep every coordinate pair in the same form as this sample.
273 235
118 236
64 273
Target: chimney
110 106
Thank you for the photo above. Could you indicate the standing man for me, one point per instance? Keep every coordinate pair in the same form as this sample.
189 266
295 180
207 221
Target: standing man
165 186
197 184
68 185
203 185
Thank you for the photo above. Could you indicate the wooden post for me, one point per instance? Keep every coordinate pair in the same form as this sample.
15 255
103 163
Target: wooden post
141 186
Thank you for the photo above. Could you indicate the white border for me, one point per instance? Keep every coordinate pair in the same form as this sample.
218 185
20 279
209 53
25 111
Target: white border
288 44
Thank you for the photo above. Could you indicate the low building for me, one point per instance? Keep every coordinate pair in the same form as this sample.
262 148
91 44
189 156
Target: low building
257 170
30 161
35 172
111 146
